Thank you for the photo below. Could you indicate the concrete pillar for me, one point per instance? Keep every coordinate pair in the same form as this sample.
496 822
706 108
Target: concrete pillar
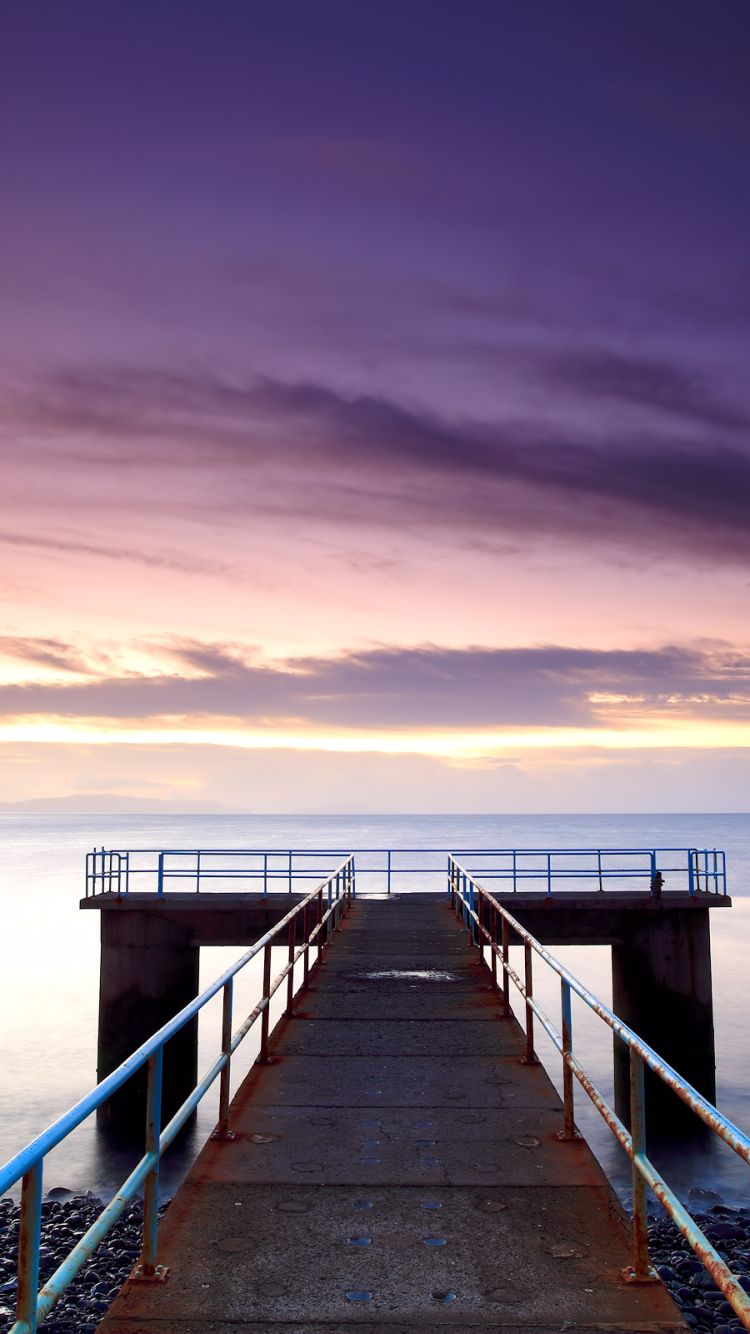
661 988
149 971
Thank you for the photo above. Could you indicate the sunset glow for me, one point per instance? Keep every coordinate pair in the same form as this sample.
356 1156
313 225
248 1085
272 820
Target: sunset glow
374 384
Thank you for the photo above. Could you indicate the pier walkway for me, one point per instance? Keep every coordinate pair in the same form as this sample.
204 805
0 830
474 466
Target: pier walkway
395 1166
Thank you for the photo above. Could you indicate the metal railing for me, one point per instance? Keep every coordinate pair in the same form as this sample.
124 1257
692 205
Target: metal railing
481 915
544 870
320 912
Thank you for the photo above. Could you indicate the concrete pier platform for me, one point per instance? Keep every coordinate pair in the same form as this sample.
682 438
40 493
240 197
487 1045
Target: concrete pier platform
395 1167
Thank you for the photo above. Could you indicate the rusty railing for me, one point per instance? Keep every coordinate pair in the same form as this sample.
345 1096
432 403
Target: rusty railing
320 913
490 925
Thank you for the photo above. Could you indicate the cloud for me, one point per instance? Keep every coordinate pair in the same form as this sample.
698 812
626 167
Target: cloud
647 383
675 479
163 560
53 653
419 687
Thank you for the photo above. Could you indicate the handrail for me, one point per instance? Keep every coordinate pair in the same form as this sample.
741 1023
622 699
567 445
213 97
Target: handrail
320 918
116 870
472 900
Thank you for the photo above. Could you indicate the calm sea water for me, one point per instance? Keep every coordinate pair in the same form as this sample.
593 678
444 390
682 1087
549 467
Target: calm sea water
49 961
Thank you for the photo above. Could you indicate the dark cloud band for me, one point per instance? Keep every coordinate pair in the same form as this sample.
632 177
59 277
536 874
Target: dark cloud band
425 687
676 478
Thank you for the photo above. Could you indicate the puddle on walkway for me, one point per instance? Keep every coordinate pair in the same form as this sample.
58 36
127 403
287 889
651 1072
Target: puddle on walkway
422 974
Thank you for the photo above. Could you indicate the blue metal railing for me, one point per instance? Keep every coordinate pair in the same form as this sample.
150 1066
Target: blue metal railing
474 903
536 870
320 912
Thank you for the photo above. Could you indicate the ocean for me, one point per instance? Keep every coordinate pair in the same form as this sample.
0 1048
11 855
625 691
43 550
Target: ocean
49 965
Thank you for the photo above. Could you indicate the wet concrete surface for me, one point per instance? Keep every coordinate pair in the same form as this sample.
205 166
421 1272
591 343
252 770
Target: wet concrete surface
395 1167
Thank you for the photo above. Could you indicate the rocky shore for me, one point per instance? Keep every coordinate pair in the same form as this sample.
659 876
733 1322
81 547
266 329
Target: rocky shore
702 1304
64 1222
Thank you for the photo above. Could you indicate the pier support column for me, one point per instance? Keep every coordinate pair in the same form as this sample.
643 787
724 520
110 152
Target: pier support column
661 988
149 971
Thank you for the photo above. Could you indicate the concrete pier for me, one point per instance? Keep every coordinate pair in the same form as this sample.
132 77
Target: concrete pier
395 1167
661 987
149 971
661 983
661 972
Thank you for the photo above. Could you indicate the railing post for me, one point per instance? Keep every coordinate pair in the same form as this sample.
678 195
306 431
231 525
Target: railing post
160 880
28 1246
470 923
389 870
569 1130
691 881
265 875
290 872
493 942
290 975
306 937
267 1007
641 1269
319 924
337 910
530 1057
506 978
151 1194
222 1131
329 922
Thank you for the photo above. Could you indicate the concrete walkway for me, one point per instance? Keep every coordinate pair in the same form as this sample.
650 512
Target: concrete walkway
396 1167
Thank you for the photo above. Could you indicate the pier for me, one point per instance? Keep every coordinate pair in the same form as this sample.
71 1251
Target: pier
157 912
397 1158
395 1166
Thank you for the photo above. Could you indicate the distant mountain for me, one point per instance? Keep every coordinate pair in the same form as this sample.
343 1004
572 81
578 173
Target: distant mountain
96 803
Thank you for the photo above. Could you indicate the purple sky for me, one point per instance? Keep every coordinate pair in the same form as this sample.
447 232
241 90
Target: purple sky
374 383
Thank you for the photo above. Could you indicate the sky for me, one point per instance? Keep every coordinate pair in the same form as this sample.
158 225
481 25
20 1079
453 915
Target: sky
374 404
